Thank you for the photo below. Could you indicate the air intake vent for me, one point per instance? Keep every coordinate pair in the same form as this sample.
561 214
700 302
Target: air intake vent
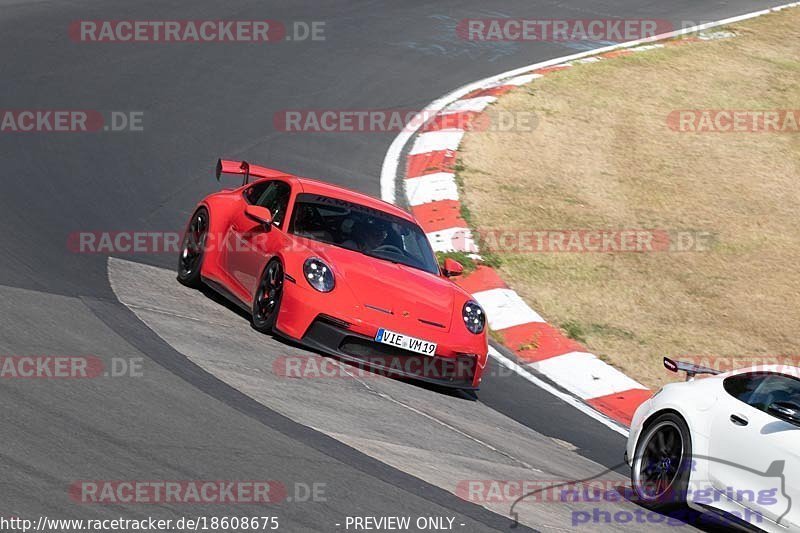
334 321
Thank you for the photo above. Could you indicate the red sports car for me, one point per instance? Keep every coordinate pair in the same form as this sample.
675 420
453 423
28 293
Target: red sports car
337 271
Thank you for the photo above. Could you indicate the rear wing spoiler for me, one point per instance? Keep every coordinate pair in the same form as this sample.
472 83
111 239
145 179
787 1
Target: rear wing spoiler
226 166
691 369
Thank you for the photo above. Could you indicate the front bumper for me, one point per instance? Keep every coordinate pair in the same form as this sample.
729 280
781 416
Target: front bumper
330 336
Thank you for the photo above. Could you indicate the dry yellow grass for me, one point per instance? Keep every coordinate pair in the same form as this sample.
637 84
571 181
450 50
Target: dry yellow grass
602 156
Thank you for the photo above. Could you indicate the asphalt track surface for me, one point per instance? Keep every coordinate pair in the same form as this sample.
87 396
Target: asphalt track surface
190 416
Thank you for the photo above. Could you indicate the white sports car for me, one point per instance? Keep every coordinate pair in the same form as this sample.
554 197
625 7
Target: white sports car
728 445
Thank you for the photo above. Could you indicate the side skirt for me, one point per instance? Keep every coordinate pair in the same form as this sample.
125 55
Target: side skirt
223 291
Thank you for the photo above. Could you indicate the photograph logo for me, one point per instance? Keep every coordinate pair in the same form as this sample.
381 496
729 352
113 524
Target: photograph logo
758 493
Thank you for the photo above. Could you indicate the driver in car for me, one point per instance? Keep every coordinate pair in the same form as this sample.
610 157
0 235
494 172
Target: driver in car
375 233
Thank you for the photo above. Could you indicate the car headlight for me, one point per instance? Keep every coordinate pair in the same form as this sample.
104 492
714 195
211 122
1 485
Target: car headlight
474 317
318 274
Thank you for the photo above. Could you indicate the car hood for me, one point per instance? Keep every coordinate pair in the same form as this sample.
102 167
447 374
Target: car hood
390 288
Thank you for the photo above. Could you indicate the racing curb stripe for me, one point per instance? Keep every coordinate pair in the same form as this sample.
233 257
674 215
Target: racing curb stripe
452 119
482 279
497 90
430 163
431 188
621 405
553 68
439 215
476 105
505 309
457 239
585 375
616 53
538 341
537 345
433 141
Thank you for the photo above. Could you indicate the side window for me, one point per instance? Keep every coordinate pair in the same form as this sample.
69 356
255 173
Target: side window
761 390
275 198
742 386
252 194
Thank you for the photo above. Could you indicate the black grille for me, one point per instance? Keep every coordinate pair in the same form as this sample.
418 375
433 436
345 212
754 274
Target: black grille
330 335
334 321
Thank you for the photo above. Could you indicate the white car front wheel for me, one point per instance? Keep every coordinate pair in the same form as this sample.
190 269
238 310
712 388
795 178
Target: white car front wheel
663 460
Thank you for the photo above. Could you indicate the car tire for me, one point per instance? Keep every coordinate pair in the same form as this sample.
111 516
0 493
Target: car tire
267 301
193 247
662 463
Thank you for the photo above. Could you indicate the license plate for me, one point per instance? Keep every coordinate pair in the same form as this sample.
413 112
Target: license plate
405 342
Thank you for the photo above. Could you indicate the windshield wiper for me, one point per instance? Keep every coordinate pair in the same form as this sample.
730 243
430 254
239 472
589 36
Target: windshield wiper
384 258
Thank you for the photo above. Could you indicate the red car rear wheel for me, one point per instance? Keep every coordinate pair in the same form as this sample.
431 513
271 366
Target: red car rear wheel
193 249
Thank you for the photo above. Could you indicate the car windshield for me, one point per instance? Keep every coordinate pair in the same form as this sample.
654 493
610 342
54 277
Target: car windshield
362 229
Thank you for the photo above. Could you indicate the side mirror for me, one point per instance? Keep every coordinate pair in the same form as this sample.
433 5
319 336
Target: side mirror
259 214
452 268
786 411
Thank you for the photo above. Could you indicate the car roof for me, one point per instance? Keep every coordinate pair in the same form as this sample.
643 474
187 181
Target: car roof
786 370
313 186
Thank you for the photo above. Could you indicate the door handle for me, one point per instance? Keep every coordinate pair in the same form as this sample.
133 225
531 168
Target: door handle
739 420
